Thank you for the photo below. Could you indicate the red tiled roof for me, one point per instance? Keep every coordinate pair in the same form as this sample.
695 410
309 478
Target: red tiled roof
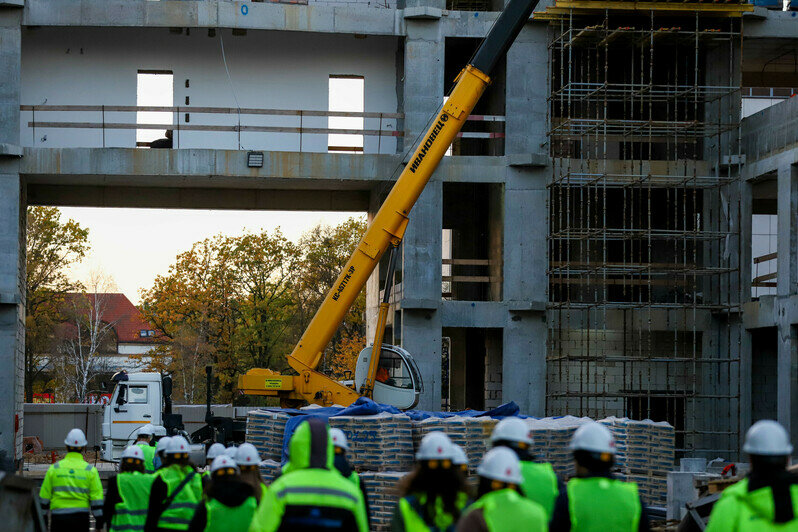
127 319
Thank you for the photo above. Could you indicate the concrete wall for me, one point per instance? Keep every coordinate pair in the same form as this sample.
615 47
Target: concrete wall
51 422
271 70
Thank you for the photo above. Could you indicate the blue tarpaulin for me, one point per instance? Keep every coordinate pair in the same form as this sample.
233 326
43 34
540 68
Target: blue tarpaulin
366 407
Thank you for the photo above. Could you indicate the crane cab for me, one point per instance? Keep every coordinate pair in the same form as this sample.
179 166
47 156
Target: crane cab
398 381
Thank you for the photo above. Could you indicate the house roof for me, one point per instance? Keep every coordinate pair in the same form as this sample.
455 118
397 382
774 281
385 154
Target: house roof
125 317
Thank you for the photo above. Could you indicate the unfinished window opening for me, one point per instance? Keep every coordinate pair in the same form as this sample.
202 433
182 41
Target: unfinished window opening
483 132
764 379
346 95
472 238
154 88
764 237
473 368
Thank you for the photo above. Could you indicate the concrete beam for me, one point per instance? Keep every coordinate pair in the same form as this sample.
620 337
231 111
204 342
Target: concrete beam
198 198
199 168
348 19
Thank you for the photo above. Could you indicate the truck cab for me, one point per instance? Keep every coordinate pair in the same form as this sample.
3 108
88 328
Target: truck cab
136 401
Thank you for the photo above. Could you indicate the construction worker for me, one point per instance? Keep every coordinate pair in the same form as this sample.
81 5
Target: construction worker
340 448
217 449
540 482
176 490
128 493
500 507
311 494
248 461
72 488
229 501
594 500
144 441
433 494
160 449
768 498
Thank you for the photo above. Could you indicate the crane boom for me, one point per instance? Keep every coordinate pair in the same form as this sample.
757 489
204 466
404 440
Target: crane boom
388 226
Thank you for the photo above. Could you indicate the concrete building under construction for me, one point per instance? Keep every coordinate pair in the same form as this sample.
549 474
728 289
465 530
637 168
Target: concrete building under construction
613 234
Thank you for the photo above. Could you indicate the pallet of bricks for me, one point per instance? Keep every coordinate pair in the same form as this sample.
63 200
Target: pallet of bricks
645 455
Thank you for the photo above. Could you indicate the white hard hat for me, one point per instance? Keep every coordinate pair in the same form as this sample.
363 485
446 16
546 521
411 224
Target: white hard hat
767 438
158 430
217 449
223 462
247 455
230 451
459 456
435 446
133 451
511 429
339 439
162 444
593 437
76 438
177 445
501 464
147 430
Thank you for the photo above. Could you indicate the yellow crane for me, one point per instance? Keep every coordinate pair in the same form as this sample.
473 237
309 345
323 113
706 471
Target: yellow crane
403 384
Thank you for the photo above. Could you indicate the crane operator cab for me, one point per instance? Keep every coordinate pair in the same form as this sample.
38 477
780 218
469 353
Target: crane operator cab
398 381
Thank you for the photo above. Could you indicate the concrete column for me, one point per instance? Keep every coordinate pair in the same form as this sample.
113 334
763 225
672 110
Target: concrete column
787 270
525 255
423 86
421 250
12 241
421 291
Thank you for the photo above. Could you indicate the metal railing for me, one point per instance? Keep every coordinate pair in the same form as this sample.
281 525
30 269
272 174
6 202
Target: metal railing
384 124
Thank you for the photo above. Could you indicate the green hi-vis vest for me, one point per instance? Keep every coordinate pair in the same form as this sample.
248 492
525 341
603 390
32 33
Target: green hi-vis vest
223 518
72 485
354 478
599 504
540 485
177 516
149 456
131 512
412 506
507 510
741 510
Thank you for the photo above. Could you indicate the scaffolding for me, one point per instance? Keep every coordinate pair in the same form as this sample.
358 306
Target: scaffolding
645 285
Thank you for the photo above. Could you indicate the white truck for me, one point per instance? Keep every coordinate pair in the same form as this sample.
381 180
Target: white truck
139 399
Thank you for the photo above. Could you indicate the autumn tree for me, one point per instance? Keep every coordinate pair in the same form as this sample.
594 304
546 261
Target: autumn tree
52 246
325 252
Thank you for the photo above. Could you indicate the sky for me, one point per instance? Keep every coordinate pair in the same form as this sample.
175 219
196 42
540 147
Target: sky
133 246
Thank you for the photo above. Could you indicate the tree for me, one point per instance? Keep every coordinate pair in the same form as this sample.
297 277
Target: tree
51 247
85 337
325 252
243 301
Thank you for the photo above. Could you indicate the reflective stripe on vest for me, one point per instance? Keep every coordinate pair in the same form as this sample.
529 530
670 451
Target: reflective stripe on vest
599 504
540 485
221 518
178 514
134 491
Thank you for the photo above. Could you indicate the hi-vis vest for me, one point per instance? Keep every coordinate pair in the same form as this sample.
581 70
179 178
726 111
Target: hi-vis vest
131 512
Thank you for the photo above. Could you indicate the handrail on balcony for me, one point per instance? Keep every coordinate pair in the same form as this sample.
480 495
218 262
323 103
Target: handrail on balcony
764 281
184 125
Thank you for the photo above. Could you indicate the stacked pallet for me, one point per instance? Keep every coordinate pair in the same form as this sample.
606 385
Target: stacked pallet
382 489
265 430
552 437
470 433
645 455
383 442
269 470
